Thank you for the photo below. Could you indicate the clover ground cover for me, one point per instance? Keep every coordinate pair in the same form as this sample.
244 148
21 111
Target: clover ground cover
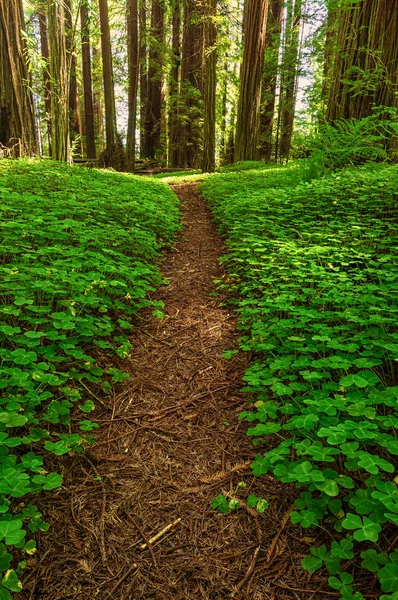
314 276
78 255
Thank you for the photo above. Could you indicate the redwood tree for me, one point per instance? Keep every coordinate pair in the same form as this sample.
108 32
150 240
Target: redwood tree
17 126
365 70
133 62
59 81
174 87
268 93
109 91
247 142
155 82
209 128
42 14
87 83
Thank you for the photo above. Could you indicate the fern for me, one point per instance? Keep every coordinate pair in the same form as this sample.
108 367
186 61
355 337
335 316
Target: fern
351 142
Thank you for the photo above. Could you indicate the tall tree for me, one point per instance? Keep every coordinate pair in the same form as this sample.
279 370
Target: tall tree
247 142
174 87
209 128
42 15
155 82
133 62
143 76
290 64
59 81
107 70
192 86
75 123
271 62
365 70
87 83
17 126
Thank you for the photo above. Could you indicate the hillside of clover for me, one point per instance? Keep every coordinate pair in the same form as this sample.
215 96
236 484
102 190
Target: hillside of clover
313 275
79 255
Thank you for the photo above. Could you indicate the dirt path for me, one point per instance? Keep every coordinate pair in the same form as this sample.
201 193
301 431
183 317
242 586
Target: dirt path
168 444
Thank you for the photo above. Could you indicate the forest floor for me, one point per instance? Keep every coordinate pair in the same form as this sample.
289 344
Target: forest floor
171 441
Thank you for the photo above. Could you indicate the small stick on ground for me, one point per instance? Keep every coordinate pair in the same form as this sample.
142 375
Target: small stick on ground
157 537
248 572
130 570
278 535
144 537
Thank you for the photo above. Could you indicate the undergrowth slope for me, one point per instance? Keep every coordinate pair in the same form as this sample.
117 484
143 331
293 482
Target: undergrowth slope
78 256
314 277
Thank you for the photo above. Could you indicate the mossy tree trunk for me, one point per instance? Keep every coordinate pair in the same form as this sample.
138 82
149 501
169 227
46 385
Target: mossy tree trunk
58 68
365 72
133 65
174 85
153 115
209 128
87 83
17 124
107 70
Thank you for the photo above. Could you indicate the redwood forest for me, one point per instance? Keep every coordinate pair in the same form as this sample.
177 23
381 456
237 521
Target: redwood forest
198 299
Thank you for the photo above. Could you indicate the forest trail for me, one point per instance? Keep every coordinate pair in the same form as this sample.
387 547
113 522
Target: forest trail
168 444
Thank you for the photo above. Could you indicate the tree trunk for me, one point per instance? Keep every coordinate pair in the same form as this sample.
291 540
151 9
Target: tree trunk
17 125
209 128
133 62
271 62
365 72
192 86
290 72
97 98
75 124
87 83
155 82
174 89
247 143
223 127
46 77
109 91
59 82
143 76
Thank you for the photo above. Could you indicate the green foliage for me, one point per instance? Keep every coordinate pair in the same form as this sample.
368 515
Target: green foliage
230 502
312 272
351 142
78 258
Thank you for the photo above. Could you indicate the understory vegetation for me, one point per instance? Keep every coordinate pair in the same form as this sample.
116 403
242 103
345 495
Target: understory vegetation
314 278
78 258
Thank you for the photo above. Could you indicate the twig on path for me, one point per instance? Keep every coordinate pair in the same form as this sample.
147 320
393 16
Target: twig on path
276 538
118 583
161 533
248 572
101 541
158 339
243 466
144 537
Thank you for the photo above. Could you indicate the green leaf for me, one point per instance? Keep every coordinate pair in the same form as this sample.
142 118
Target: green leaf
388 576
311 563
11 581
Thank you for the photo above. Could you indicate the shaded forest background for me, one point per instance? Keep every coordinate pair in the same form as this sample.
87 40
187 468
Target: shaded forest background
189 83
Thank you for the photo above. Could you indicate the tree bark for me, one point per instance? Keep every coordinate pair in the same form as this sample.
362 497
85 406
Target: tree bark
143 76
289 75
192 86
133 62
75 123
155 83
174 88
365 71
46 78
17 124
209 128
87 83
109 91
247 143
59 81
271 62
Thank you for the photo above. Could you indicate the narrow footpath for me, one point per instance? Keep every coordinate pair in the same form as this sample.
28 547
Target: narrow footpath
169 443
